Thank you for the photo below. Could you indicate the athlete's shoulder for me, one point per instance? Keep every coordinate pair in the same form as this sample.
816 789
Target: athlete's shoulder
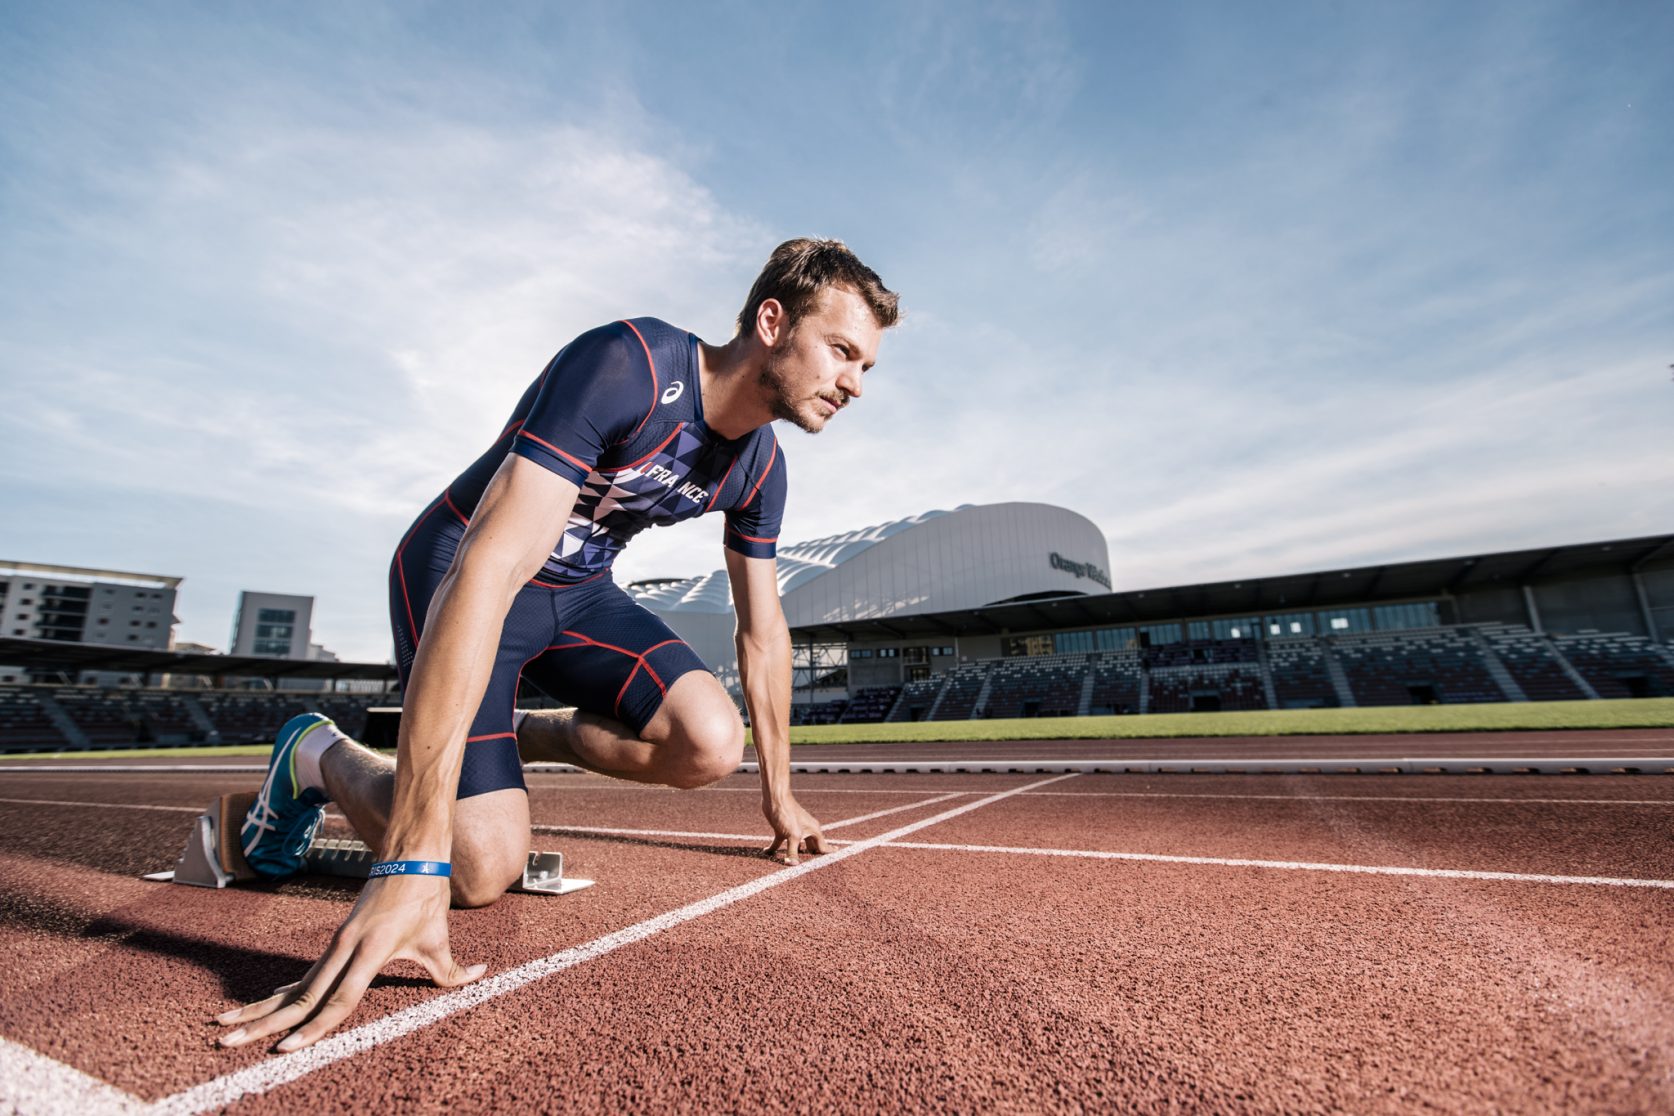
763 442
654 329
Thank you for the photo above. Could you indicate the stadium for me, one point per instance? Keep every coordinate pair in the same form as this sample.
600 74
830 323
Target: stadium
994 612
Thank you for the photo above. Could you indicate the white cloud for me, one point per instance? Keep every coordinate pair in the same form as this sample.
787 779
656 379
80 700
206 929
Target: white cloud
397 290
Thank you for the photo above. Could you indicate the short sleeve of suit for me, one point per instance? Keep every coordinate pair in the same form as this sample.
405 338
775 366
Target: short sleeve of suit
753 525
597 392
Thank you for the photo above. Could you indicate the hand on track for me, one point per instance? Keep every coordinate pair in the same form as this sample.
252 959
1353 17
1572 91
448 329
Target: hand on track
395 918
794 830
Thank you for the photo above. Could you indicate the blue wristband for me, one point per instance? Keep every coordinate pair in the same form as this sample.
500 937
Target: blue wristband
410 868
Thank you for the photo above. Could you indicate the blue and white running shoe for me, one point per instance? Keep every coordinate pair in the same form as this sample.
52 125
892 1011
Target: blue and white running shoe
281 823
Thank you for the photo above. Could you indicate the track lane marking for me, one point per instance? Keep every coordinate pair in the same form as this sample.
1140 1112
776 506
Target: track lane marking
31 1082
1361 797
101 805
609 831
264 1076
1295 865
894 810
754 838
1507 754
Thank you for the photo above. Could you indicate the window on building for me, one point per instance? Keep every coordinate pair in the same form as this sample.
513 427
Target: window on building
889 652
861 653
1395 617
1027 645
1073 643
1160 633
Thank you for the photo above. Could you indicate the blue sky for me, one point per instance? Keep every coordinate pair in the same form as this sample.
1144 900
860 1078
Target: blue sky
1257 288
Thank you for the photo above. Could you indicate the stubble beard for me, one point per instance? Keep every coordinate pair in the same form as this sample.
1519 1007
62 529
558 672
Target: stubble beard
783 405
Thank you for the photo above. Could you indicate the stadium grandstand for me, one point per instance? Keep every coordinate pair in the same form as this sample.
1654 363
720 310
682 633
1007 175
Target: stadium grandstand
1002 611
1005 611
1575 622
170 698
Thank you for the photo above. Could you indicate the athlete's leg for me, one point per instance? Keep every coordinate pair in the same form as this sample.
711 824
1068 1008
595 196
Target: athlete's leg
695 737
646 707
490 830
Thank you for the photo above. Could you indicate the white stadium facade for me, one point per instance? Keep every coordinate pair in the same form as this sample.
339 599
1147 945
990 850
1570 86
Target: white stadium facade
939 561
1007 610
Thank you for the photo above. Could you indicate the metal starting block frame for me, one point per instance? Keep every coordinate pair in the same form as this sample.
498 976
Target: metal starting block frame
212 857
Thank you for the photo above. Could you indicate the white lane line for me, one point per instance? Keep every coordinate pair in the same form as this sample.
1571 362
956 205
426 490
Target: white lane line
31 1083
134 768
1297 865
754 838
894 810
803 790
1303 797
260 1078
606 831
101 805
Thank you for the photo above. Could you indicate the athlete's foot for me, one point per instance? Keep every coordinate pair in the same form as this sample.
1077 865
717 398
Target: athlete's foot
280 825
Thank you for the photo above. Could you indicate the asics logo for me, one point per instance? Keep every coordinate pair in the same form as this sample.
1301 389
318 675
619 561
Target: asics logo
674 391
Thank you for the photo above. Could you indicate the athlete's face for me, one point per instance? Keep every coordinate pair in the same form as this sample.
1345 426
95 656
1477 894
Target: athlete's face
815 370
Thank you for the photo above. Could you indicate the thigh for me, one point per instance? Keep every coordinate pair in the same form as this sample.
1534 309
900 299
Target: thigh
613 657
491 762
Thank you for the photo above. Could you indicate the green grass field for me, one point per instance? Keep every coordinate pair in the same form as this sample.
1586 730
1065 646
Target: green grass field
1549 715
1552 715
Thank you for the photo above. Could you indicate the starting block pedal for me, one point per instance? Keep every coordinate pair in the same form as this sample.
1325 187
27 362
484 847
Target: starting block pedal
212 857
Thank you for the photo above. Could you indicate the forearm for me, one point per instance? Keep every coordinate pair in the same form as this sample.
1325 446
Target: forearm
764 666
450 675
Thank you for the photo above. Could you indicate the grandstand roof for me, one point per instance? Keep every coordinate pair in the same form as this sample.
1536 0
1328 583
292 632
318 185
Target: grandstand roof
50 654
1428 578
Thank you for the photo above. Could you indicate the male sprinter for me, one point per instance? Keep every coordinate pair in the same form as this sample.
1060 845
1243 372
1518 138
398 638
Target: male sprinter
507 574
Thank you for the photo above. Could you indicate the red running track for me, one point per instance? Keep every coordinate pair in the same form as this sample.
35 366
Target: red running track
1123 943
1605 742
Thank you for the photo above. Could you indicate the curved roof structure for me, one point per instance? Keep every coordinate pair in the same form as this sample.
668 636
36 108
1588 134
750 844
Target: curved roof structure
970 556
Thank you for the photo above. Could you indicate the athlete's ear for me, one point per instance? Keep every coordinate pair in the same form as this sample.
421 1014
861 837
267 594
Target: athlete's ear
771 321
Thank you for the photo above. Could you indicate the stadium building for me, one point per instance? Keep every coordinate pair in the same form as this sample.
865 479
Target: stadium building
1002 610
72 604
1005 610
940 561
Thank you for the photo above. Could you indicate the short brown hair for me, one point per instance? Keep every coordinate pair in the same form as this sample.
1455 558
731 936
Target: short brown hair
798 270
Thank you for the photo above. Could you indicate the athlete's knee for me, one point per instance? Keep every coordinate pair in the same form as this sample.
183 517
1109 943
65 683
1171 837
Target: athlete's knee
480 880
710 745
487 860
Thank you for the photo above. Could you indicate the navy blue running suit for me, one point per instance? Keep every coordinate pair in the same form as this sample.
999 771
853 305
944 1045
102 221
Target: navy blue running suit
618 412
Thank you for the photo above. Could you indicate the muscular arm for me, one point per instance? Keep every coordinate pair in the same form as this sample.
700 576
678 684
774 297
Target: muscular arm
516 525
764 665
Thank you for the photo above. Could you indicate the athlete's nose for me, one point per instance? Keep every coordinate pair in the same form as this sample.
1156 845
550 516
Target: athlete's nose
849 381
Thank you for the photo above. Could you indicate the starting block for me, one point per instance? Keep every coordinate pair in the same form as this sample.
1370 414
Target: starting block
212 857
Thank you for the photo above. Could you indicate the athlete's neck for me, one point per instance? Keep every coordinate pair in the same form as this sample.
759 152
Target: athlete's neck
730 376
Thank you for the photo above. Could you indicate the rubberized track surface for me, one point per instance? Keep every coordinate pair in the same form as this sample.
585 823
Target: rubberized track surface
1227 943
